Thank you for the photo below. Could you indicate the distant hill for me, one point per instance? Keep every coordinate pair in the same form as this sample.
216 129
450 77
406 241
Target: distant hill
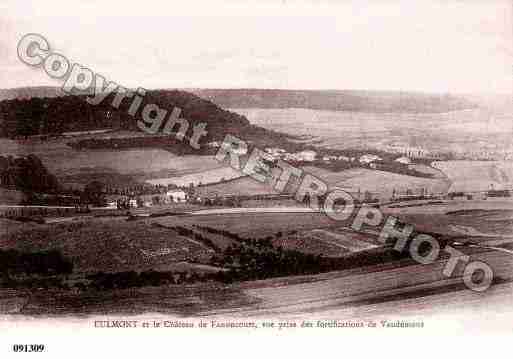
345 100
335 100
36 115
30 92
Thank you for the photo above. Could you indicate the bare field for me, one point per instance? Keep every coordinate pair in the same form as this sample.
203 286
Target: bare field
384 183
477 175
316 234
245 186
109 245
8 196
112 244
476 220
352 180
7 226
327 242
205 176
379 182
254 224
63 161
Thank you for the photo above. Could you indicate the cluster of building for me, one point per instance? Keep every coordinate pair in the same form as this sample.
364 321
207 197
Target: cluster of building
414 152
171 196
281 154
481 151
310 156
484 155
338 158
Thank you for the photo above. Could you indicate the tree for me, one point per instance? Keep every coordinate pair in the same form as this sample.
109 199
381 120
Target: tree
94 193
367 196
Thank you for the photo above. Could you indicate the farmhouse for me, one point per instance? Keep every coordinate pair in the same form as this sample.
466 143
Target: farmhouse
368 158
329 158
275 152
213 144
112 205
404 160
307 156
177 196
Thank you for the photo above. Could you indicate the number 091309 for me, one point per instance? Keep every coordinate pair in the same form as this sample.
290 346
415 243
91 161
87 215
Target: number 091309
28 348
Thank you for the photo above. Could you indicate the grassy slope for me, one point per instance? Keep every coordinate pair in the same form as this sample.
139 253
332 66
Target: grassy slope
377 181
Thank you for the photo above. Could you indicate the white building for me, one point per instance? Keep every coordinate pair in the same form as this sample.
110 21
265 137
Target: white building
276 153
403 160
368 158
290 157
329 158
275 150
307 156
408 151
177 196
112 205
213 144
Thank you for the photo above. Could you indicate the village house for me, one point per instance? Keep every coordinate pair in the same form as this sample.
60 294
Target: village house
112 205
329 158
369 158
404 160
177 196
306 156
213 144
275 152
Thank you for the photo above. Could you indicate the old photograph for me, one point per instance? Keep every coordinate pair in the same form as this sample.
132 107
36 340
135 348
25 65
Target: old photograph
292 166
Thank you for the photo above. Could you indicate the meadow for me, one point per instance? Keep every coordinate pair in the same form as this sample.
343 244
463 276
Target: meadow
443 131
379 183
108 244
75 166
477 175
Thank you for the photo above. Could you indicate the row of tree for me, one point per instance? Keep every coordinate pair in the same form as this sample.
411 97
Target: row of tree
27 173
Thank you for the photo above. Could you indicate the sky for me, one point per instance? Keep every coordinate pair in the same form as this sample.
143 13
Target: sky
437 46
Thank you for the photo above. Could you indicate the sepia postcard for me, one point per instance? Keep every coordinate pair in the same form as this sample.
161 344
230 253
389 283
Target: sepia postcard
224 178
